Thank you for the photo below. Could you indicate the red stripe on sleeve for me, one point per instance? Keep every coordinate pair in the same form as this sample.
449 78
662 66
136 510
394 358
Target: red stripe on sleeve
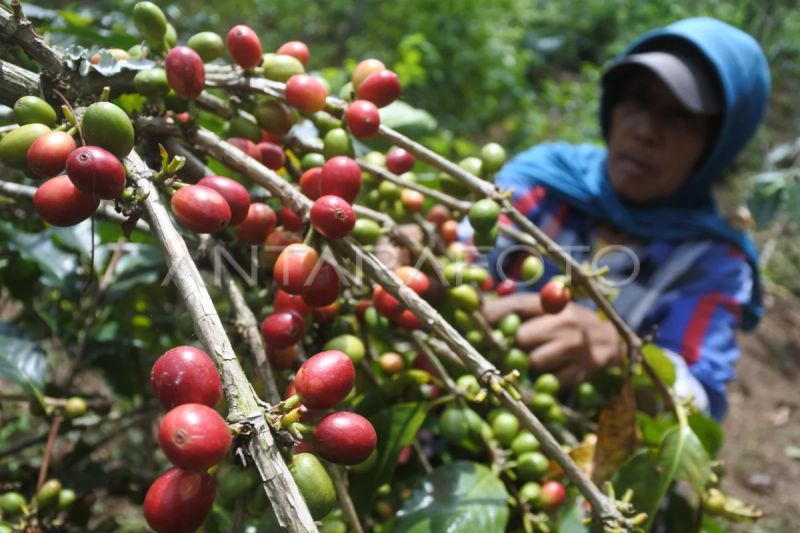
698 326
528 202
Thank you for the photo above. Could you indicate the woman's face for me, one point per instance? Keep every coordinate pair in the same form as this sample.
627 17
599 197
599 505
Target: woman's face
655 141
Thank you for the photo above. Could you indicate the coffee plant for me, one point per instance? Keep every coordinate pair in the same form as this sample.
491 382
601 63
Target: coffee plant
333 391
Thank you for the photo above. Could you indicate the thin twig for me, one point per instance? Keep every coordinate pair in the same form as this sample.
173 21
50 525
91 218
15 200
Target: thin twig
48 450
345 502
105 281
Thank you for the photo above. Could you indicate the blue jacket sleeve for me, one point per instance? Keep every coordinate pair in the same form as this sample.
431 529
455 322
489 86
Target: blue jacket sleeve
698 315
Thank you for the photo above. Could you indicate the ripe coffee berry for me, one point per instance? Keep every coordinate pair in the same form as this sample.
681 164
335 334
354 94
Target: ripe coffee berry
555 296
96 171
282 358
306 93
61 204
310 182
399 161
412 200
290 302
408 320
381 88
363 119
333 217
185 72
179 501
185 375
282 329
392 363
552 495
506 287
47 156
325 379
340 176
245 145
244 47
290 221
364 69
200 209
272 155
257 225
449 231
344 438
194 437
276 243
324 286
294 267
296 49
234 193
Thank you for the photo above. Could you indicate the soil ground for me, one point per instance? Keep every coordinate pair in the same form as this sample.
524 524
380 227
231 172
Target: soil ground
762 430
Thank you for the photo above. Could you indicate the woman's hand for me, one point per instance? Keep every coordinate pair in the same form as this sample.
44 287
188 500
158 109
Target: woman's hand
573 344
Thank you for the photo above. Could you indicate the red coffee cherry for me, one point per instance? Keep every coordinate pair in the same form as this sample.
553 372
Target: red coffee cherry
244 47
364 69
296 49
293 268
506 287
363 119
276 243
381 88
61 204
555 296
344 438
282 329
234 193
194 437
306 93
408 320
552 495
185 375
340 176
333 217
310 182
47 156
179 501
245 145
291 302
200 209
290 221
325 379
399 161
438 214
272 155
186 74
324 287
96 171
282 358
257 225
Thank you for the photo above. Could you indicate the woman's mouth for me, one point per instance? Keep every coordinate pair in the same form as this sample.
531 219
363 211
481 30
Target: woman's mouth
632 165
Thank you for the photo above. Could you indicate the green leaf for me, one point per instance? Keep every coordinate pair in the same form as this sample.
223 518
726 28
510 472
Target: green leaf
132 102
767 197
793 200
660 363
570 518
708 431
649 475
683 450
462 496
396 428
22 361
78 238
55 264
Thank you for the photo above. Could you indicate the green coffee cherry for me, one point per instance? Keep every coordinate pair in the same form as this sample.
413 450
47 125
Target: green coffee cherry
34 110
207 44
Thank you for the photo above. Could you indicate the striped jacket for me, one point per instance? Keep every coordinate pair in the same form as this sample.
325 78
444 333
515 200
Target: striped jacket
689 293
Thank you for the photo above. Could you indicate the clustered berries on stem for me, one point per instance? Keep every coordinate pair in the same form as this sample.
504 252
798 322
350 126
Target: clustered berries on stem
192 435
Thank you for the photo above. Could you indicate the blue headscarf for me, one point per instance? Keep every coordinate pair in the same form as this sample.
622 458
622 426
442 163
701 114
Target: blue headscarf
576 174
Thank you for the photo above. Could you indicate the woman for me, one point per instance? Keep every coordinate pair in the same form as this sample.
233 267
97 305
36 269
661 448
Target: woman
678 106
